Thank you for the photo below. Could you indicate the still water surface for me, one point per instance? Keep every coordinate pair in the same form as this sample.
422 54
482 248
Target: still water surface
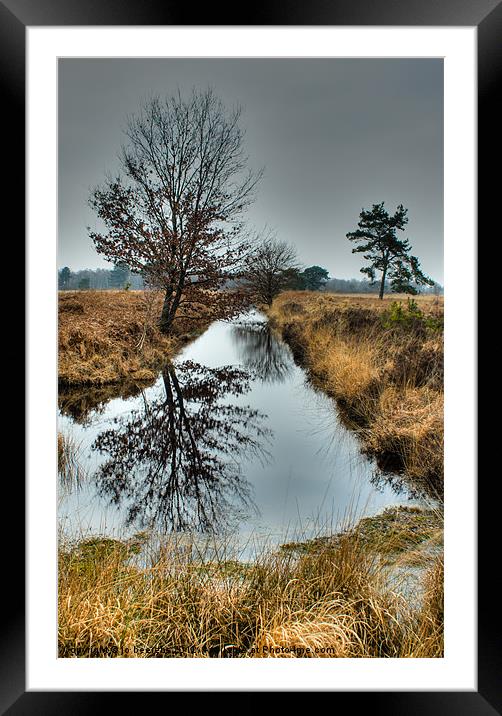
230 440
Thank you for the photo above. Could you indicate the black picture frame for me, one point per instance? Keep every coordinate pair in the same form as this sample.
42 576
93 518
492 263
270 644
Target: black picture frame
15 17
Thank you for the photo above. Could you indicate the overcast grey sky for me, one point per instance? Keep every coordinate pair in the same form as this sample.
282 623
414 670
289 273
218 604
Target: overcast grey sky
334 136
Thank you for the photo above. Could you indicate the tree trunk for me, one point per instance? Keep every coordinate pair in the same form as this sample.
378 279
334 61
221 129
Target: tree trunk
166 317
170 306
382 284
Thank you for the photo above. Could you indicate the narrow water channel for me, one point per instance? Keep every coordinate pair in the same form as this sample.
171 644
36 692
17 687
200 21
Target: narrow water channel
230 440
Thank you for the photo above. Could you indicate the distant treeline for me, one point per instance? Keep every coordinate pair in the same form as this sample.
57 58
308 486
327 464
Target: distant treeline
120 278
354 285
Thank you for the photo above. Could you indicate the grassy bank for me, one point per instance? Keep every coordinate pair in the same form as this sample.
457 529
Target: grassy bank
111 337
333 598
383 363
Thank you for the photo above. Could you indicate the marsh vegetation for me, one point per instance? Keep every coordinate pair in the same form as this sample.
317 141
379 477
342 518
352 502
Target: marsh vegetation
200 529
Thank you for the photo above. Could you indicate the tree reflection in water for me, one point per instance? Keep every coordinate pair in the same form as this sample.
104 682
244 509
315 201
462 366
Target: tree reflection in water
175 462
260 351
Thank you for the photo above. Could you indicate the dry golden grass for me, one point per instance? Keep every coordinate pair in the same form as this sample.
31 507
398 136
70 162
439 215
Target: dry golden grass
427 632
409 422
329 602
108 337
387 378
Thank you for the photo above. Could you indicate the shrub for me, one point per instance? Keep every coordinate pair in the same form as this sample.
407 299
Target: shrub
410 318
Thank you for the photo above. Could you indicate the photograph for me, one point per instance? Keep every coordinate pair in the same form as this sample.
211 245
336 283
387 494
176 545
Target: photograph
250 296
251 335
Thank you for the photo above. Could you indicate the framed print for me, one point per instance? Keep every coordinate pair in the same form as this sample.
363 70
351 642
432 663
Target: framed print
245 247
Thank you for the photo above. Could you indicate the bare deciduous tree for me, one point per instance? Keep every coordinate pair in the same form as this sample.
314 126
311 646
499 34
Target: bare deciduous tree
270 268
175 212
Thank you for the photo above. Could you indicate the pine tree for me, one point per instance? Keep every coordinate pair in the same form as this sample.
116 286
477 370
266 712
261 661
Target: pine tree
315 278
120 275
64 277
386 252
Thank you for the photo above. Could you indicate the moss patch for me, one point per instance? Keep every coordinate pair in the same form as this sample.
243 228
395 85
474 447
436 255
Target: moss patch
389 534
